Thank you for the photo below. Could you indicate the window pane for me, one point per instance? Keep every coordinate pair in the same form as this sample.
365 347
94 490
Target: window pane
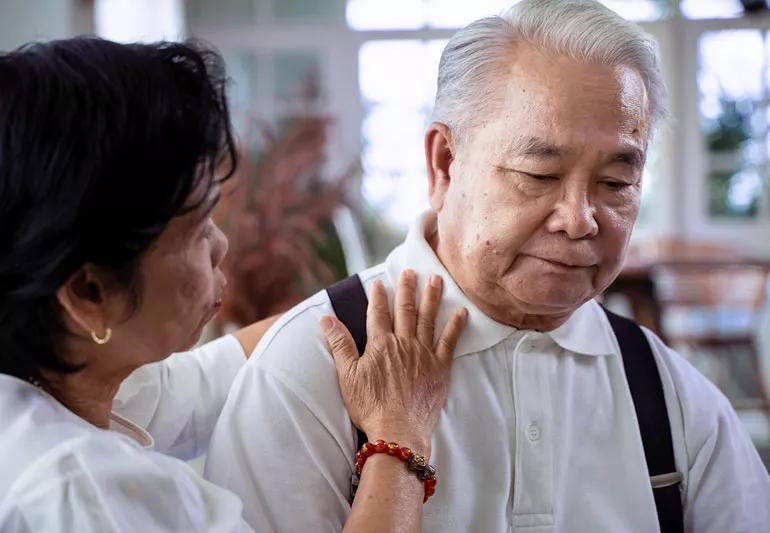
398 85
308 10
734 87
735 194
704 9
130 21
460 13
390 15
297 75
398 72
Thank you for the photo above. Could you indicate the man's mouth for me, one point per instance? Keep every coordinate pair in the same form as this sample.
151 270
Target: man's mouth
571 263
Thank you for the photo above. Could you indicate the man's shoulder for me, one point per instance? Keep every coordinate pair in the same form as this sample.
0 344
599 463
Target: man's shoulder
294 348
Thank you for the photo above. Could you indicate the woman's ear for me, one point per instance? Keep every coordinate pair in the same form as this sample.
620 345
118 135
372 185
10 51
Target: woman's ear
84 301
439 155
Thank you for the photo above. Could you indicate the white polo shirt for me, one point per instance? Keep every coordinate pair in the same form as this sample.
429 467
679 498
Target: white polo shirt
539 432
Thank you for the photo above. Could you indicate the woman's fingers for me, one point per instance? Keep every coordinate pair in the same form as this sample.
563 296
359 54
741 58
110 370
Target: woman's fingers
404 310
341 344
378 321
429 303
448 341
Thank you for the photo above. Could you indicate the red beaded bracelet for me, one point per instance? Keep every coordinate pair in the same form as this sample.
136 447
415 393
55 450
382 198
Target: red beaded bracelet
414 461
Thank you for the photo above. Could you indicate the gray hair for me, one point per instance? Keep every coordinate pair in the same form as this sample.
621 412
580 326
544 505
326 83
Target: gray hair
581 29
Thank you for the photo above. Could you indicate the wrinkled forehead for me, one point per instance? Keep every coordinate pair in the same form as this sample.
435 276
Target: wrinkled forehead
563 93
568 101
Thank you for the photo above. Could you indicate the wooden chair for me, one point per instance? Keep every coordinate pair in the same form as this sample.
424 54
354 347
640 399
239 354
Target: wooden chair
715 307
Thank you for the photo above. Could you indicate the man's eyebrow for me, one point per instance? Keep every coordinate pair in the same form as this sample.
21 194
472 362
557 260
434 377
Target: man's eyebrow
535 147
631 156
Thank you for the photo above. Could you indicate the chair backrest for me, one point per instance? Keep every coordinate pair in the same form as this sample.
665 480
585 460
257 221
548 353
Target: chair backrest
711 285
708 302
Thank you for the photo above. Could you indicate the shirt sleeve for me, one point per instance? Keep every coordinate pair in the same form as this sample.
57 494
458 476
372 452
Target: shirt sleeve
179 399
284 443
728 487
104 488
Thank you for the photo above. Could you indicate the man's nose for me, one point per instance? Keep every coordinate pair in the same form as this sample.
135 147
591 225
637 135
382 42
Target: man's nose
574 215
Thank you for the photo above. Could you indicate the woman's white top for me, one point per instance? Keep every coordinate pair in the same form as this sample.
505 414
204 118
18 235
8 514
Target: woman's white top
58 473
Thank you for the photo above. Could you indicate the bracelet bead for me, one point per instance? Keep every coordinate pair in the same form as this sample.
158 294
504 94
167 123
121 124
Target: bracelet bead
417 462
427 473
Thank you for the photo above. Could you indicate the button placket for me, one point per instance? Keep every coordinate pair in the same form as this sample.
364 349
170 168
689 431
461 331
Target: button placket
533 484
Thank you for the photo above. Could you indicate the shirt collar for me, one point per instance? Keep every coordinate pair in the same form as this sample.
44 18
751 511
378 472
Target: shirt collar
585 332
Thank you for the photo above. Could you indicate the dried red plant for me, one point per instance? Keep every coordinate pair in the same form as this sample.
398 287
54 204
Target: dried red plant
278 218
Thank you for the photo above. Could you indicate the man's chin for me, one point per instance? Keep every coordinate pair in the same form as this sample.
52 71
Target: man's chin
553 302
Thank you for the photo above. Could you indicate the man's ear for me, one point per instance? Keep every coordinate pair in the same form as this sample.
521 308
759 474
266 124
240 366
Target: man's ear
83 299
439 154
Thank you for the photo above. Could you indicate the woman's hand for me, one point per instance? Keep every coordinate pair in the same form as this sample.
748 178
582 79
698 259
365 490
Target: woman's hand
396 390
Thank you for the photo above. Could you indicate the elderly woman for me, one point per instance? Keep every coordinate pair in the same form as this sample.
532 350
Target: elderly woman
111 158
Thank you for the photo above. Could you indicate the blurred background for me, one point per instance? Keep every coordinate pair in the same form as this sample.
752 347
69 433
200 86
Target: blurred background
331 98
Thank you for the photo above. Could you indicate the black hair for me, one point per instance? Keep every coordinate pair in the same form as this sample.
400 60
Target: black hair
101 145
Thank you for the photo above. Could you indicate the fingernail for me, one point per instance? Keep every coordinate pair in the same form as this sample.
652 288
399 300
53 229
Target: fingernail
435 280
464 314
410 275
327 324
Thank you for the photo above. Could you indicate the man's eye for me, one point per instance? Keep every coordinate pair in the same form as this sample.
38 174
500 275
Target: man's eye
616 185
541 177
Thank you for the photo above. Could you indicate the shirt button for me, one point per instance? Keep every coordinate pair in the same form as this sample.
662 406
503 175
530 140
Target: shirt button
533 432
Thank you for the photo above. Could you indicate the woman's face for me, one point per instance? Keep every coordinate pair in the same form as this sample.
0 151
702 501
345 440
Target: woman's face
180 287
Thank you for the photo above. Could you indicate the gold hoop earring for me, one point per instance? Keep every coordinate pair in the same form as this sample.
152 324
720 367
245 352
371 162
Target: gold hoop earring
103 340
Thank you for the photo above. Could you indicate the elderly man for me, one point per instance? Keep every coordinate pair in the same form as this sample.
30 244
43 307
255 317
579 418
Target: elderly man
542 121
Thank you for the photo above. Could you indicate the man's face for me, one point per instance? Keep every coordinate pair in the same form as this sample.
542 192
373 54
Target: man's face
537 205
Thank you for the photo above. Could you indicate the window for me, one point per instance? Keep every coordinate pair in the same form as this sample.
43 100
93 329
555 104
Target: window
734 85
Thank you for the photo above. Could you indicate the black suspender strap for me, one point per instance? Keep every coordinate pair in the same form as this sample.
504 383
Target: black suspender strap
650 405
349 302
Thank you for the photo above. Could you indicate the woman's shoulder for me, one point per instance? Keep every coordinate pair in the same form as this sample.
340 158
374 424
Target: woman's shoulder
39 431
98 480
